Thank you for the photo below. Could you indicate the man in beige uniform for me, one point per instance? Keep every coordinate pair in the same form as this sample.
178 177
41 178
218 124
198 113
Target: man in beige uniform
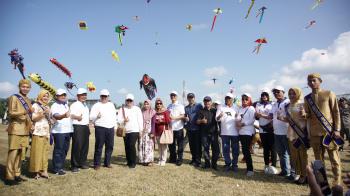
18 131
327 103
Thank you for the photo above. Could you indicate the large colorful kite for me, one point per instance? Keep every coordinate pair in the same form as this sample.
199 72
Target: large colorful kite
45 85
16 60
149 85
61 67
120 29
260 42
261 12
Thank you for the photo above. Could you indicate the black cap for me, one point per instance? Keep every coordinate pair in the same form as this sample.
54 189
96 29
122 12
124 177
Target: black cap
207 98
190 95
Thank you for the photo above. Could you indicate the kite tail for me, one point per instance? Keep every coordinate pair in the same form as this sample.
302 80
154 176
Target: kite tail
120 39
261 17
313 7
212 25
250 7
21 70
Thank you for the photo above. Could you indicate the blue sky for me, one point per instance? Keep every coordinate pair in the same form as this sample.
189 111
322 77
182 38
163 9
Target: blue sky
42 29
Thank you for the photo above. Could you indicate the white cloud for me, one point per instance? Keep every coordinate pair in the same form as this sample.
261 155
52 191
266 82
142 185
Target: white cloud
7 88
123 91
215 71
332 63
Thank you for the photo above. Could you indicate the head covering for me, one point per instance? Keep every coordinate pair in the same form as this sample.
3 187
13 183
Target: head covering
149 103
298 93
190 95
314 75
147 115
229 95
130 96
279 88
207 98
104 92
159 100
60 91
81 91
24 81
249 103
41 94
174 92
217 102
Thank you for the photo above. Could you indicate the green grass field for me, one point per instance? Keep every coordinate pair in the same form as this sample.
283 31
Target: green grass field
155 180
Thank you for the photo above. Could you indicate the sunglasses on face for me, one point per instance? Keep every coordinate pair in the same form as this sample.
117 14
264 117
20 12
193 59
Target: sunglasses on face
245 99
172 95
276 92
128 100
145 103
103 96
158 103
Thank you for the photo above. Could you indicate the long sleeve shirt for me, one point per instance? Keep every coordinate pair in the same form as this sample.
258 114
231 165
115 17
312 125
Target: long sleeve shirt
294 112
326 102
108 114
191 112
160 122
247 116
134 114
19 120
211 125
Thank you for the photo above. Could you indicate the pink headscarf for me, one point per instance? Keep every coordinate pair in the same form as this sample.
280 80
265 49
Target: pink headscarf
147 114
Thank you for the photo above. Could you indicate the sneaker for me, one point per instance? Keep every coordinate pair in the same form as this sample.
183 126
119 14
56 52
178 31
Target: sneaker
171 161
235 169
85 167
61 173
178 163
266 170
11 182
250 173
227 168
132 166
162 164
196 164
283 174
75 170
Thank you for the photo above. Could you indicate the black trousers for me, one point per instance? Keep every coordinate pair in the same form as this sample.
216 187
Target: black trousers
178 140
246 140
194 138
62 142
268 140
210 140
130 140
103 136
80 145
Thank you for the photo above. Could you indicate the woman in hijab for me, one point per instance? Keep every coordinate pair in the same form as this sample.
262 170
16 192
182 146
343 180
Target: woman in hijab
41 136
296 112
160 122
146 150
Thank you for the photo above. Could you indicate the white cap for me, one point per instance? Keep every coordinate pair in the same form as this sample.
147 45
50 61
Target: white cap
81 91
280 88
104 92
247 94
174 92
217 102
60 91
229 95
129 96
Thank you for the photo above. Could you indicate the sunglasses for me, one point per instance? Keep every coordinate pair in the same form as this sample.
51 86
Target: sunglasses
245 99
104 96
128 100
172 95
276 91
159 103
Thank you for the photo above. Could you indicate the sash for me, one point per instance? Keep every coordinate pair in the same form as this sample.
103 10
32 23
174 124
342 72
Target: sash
328 138
302 134
24 104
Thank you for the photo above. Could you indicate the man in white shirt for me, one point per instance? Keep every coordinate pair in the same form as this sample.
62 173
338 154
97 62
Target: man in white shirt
104 116
177 116
226 115
133 120
280 129
61 131
80 139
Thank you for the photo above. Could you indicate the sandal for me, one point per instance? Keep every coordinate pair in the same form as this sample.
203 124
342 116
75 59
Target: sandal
44 175
37 177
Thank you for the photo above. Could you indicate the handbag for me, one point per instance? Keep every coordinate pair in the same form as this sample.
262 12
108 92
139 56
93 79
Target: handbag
166 137
267 128
121 128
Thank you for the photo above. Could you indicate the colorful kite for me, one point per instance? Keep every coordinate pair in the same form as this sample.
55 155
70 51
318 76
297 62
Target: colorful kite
82 25
120 29
214 80
189 27
61 67
317 3
311 23
250 8
217 11
261 13
149 85
260 42
16 60
91 87
115 56
231 81
37 79
69 86
148 1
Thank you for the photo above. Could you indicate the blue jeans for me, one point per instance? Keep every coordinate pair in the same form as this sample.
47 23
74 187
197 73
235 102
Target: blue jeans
62 142
282 149
233 142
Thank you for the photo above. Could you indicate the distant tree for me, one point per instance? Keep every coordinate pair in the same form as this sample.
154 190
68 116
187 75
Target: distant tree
140 104
3 106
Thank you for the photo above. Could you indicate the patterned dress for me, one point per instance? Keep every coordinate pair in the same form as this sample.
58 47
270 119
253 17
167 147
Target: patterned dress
146 147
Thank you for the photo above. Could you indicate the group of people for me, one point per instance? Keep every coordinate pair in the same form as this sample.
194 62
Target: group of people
287 128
